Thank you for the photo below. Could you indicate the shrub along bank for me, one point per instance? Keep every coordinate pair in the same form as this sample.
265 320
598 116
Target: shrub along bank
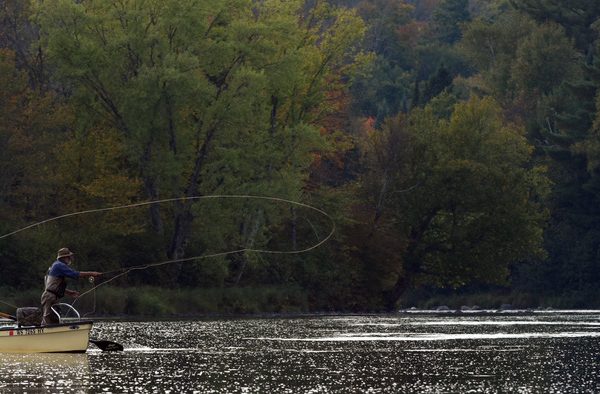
165 303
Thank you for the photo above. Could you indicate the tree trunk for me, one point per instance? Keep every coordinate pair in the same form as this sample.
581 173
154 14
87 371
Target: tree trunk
412 262
184 217
151 190
392 296
294 229
154 210
181 230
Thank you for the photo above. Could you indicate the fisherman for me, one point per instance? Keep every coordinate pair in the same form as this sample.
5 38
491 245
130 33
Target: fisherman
56 284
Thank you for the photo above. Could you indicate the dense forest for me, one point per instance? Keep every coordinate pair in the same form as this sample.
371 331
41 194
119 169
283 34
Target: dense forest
454 143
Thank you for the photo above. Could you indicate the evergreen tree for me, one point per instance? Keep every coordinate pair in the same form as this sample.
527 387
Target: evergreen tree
437 84
576 16
448 18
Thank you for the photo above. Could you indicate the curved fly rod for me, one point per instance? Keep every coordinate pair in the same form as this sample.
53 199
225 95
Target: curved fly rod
126 270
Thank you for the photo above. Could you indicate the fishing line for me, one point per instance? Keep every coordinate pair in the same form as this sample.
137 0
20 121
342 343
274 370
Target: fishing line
124 271
140 204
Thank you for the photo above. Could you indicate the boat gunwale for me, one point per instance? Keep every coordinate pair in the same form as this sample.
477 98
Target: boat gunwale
67 324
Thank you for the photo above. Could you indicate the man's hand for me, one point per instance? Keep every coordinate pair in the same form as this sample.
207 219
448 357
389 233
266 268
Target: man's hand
87 274
72 293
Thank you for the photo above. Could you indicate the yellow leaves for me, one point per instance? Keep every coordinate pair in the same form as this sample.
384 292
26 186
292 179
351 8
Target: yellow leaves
32 125
477 131
412 33
114 188
93 171
95 164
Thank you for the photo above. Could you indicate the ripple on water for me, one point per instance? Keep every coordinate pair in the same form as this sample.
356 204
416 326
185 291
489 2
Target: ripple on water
326 354
418 337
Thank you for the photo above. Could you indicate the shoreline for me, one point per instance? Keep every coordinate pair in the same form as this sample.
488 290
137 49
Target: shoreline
399 313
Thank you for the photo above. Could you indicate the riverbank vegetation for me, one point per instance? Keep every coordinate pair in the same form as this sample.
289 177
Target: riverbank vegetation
454 144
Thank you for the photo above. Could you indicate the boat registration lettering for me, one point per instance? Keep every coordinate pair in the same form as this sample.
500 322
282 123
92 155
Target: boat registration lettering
30 331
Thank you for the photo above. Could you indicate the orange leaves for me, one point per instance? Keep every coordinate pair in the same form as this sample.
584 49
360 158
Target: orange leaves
412 32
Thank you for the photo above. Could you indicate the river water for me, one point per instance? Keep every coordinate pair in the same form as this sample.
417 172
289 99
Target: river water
535 353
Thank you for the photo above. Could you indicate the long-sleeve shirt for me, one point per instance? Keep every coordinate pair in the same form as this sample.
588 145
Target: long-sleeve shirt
56 279
60 269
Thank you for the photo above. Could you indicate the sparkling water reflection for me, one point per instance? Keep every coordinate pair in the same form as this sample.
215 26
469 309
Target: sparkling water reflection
441 354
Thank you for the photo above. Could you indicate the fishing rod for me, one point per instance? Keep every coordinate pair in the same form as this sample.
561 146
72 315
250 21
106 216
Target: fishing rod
125 270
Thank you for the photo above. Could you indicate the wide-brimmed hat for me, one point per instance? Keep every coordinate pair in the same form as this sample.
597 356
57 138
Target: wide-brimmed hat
64 252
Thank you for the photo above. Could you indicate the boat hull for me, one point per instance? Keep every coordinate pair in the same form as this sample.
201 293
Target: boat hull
59 338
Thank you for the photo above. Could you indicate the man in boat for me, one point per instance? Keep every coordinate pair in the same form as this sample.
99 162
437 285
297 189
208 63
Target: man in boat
56 284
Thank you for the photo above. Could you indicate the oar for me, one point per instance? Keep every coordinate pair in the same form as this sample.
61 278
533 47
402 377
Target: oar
7 316
107 346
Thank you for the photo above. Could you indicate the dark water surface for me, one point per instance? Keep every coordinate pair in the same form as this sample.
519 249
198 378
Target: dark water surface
542 353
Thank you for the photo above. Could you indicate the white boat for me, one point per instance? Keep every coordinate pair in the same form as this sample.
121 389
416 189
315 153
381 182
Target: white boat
66 337
71 337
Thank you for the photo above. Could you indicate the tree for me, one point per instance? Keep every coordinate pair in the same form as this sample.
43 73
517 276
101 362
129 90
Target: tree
18 34
207 97
577 17
384 18
447 19
437 84
544 60
407 53
561 128
524 66
490 47
462 198
382 91
33 127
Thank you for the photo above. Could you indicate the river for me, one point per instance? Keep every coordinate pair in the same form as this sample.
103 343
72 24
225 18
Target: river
539 353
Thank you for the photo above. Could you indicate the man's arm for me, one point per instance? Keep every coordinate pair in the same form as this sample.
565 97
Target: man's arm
87 274
62 269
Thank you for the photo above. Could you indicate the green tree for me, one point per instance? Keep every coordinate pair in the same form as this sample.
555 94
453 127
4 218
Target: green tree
19 34
577 17
544 60
382 90
207 97
447 19
407 53
437 84
524 66
563 130
490 47
384 17
462 198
